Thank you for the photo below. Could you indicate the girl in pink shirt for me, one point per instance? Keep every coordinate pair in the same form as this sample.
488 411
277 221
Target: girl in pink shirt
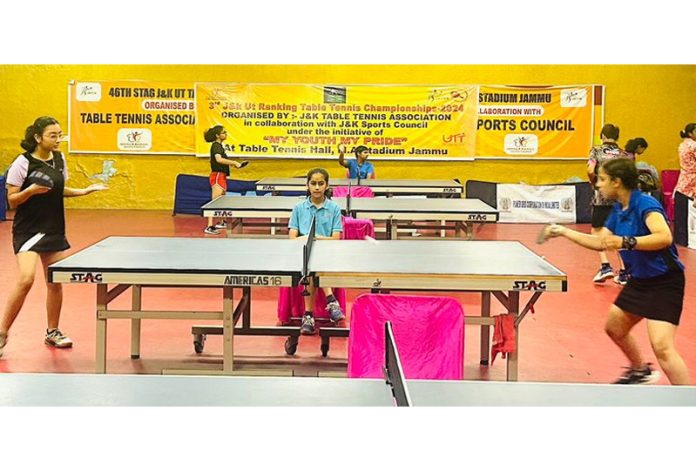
687 160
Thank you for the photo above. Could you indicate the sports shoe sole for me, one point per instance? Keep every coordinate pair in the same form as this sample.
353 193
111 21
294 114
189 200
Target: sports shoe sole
55 345
603 278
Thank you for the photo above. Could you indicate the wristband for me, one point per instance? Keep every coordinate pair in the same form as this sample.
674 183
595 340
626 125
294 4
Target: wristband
629 243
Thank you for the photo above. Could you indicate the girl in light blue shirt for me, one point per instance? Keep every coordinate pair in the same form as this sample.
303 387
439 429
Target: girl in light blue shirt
328 226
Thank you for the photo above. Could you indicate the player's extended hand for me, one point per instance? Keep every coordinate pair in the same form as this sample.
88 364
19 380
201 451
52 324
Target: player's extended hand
96 187
342 148
611 242
552 230
242 164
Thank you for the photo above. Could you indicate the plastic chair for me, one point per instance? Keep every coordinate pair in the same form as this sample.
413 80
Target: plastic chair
669 180
429 333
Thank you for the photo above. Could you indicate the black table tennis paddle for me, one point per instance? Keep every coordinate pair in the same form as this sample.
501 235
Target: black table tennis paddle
40 179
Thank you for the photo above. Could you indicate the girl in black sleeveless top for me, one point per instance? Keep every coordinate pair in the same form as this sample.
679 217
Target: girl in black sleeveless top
36 187
219 170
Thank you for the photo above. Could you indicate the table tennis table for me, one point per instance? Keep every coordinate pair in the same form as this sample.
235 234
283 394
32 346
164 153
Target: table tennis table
393 389
27 389
463 213
380 186
502 269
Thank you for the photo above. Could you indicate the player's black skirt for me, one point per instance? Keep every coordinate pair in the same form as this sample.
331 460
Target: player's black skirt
39 242
659 298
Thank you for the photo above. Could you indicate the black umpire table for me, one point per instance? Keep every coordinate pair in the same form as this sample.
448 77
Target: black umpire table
503 269
462 213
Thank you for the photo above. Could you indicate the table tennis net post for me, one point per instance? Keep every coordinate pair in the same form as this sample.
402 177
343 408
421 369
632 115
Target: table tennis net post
306 252
393 371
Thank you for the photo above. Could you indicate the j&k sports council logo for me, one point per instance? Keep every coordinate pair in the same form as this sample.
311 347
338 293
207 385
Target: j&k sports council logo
134 139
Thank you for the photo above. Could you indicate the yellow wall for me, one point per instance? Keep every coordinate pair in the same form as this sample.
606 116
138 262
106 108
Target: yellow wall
643 100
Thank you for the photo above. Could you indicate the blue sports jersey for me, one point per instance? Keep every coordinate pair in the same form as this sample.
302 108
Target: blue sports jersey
631 222
363 170
328 217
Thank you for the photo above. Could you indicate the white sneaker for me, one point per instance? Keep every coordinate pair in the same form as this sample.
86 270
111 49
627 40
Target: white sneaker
211 230
55 338
221 225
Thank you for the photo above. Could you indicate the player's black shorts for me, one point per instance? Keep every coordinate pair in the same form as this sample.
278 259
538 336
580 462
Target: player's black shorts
39 242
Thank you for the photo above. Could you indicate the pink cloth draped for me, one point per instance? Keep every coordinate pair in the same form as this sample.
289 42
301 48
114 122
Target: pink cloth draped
429 333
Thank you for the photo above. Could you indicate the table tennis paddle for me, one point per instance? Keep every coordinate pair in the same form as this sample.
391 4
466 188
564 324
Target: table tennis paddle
243 164
40 179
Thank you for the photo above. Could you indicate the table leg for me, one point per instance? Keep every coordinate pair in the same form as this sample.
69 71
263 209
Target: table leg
485 329
136 305
514 308
227 330
100 360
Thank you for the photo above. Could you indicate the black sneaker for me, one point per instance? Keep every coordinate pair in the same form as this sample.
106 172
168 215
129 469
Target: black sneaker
335 313
307 327
622 278
645 375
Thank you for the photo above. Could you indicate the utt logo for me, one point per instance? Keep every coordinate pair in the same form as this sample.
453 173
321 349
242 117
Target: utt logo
454 138
86 278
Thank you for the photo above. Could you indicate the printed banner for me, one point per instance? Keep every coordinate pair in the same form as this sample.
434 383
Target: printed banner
552 121
542 204
131 117
284 120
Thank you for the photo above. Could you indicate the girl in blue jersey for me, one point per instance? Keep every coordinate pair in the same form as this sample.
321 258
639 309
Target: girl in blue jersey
637 227
219 170
328 226
360 167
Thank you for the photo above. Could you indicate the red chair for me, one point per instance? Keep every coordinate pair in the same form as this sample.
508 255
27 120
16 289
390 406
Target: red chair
429 333
669 180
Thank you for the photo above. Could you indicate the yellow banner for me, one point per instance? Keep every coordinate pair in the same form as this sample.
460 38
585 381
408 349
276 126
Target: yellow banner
284 120
552 121
131 117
